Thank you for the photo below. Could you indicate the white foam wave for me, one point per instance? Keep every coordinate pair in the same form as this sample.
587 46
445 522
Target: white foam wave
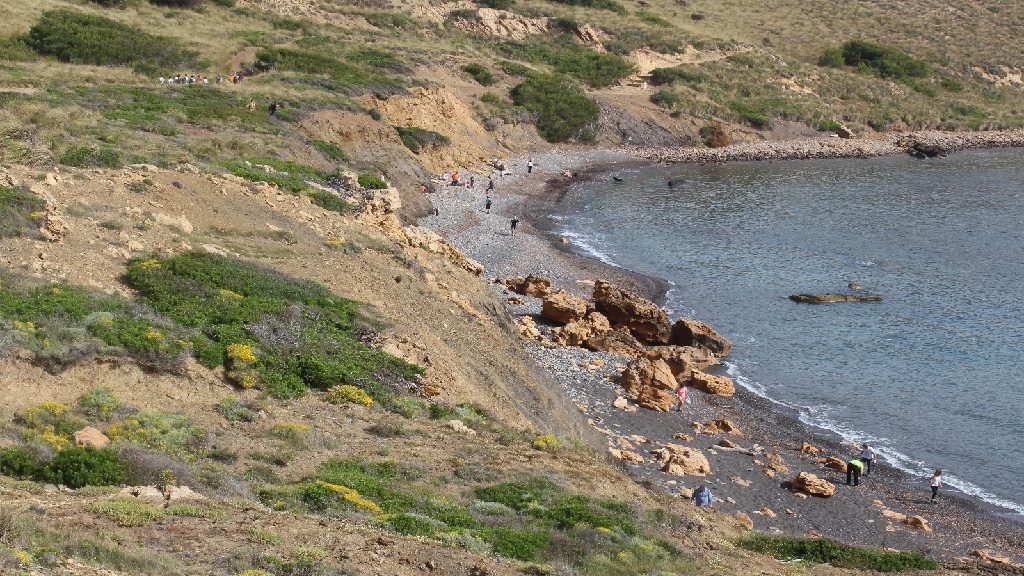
819 417
588 244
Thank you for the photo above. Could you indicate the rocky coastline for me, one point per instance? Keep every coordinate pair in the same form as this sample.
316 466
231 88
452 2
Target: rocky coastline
927 143
758 463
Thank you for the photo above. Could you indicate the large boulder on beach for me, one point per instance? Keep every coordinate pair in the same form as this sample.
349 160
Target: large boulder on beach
918 522
651 383
683 360
682 460
535 286
577 332
644 319
563 308
718 385
810 484
616 342
686 332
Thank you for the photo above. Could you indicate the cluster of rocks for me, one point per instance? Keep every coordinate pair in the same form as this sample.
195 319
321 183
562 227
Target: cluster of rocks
664 354
922 144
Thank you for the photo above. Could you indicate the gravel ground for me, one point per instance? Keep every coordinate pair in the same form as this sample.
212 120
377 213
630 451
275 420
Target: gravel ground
738 480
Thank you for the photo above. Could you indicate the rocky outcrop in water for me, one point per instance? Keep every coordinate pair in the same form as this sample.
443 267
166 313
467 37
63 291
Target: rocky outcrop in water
831 297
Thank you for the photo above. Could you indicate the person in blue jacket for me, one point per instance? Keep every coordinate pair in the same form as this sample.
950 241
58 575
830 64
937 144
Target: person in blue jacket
702 496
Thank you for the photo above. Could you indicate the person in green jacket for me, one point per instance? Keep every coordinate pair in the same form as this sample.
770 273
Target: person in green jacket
853 470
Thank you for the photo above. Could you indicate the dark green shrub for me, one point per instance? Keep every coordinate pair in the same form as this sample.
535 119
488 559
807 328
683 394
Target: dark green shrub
110 3
563 112
381 59
744 60
653 19
838 555
226 3
291 332
754 115
514 68
371 182
329 149
611 5
177 3
567 57
519 544
329 201
662 76
287 175
412 525
82 38
99 403
392 20
349 78
952 84
387 430
480 73
16 50
21 211
80 466
666 99
884 61
490 98
829 125
88 157
416 139
496 4
18 462
234 410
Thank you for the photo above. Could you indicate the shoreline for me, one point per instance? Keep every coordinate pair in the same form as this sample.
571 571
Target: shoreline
961 523
826 147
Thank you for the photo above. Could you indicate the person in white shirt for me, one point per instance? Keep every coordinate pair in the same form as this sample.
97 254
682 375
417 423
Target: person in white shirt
867 456
936 482
162 80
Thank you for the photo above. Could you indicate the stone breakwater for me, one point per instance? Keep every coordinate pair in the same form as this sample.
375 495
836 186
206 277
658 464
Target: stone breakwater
927 143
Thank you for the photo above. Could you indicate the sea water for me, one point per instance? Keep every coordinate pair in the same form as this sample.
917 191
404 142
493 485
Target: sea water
933 375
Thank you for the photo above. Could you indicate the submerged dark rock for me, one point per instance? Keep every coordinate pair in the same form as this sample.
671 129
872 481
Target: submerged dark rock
830 297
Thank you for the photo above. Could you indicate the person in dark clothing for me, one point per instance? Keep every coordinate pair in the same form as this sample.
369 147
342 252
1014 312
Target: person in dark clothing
853 469
513 224
487 206
273 108
490 185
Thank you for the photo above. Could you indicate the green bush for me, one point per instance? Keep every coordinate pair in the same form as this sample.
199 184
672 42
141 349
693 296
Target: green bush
99 403
662 76
234 410
381 59
392 20
18 462
563 112
666 99
756 116
568 57
952 84
167 432
387 430
653 19
883 61
413 525
80 466
349 78
518 544
81 38
495 4
416 139
514 68
16 50
178 3
329 201
296 331
21 211
829 125
480 73
611 5
286 175
626 39
371 182
330 150
88 157
838 555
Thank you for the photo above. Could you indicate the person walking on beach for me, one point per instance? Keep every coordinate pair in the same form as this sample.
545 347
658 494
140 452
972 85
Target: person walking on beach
529 166
487 207
513 224
490 185
681 393
936 482
853 469
702 497
867 456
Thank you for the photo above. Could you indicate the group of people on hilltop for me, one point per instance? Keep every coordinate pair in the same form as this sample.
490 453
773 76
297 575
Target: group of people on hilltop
189 79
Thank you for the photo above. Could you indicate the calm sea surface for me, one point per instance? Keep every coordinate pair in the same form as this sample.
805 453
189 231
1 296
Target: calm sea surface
934 374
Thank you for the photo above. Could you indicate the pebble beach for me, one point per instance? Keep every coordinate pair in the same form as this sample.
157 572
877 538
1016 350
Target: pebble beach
749 474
